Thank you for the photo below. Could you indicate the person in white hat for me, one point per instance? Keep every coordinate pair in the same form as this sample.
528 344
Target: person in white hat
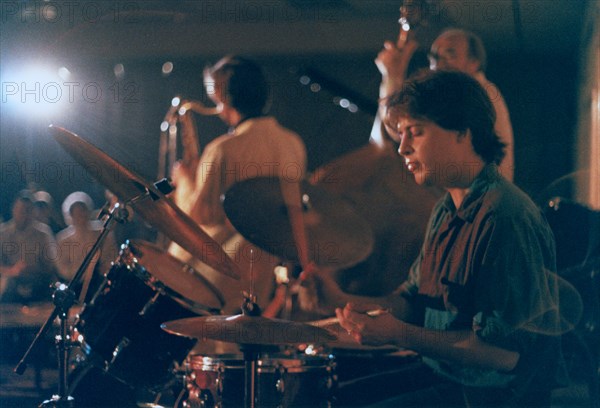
78 238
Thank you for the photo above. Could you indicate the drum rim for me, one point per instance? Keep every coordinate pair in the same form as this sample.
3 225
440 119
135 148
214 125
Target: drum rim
270 363
128 259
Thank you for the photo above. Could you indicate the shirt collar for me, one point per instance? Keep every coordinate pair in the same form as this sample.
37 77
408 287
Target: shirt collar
244 124
472 201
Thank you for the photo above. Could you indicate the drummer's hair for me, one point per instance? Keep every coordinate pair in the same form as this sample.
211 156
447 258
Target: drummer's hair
453 101
246 88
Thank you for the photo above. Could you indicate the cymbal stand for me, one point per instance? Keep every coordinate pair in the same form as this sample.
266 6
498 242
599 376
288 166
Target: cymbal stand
64 298
251 351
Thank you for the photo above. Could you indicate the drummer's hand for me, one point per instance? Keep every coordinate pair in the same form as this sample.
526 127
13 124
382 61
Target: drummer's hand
368 329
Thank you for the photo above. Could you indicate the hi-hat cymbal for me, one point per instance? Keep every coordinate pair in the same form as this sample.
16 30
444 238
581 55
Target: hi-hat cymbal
244 329
337 236
146 200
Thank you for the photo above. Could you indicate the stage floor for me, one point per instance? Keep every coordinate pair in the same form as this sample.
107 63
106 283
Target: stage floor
21 391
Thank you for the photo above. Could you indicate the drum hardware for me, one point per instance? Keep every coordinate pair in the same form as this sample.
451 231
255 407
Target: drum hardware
124 343
128 309
250 351
160 211
64 298
150 202
147 307
251 331
283 380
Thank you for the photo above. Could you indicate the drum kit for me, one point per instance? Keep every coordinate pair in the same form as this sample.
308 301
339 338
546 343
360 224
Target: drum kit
144 319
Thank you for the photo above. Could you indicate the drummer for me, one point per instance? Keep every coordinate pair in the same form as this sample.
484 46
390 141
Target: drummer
255 145
485 313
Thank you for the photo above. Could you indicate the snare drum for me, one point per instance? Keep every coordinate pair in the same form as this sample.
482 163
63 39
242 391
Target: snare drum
281 381
119 329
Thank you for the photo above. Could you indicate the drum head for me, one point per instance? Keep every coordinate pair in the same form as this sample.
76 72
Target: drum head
186 283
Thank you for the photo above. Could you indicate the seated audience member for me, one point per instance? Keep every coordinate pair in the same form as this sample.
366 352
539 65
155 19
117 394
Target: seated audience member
45 212
29 253
77 239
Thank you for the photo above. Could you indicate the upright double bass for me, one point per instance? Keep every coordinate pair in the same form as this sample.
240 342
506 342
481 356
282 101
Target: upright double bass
373 178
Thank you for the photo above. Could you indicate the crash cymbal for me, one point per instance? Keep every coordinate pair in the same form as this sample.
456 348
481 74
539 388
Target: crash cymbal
337 236
188 285
146 200
244 329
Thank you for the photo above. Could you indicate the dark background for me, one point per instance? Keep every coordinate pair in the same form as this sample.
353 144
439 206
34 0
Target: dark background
534 52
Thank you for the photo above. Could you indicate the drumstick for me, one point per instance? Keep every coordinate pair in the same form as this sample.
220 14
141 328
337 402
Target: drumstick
334 320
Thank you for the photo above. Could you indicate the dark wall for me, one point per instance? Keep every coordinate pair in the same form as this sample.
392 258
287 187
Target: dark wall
124 121
540 91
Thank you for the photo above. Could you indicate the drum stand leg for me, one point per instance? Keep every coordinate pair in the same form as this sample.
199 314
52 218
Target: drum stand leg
64 298
250 369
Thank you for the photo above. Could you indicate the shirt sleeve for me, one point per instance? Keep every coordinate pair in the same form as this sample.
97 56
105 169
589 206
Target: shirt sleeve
522 313
515 294
410 286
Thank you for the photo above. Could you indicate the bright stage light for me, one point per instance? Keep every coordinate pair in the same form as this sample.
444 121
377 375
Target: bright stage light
37 90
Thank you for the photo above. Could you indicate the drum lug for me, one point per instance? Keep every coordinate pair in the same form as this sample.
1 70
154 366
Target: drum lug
122 345
199 399
280 383
150 304
280 386
219 380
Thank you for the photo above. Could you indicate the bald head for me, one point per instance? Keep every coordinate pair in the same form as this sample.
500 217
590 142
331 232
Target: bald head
458 50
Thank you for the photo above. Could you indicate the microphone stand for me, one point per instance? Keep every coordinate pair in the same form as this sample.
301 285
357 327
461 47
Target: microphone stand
64 298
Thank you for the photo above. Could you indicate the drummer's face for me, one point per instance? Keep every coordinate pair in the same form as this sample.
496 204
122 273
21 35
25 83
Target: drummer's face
427 148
